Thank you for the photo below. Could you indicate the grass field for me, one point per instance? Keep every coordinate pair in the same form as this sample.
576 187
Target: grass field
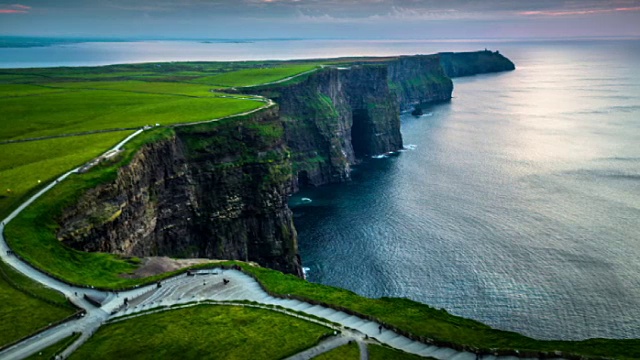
345 352
12 90
151 87
204 332
251 77
32 164
23 308
89 110
377 352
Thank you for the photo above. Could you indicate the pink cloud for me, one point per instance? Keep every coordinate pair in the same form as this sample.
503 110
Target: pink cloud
11 11
20 7
577 12
16 9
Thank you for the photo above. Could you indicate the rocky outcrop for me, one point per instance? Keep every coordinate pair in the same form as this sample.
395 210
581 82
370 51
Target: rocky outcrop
419 80
217 191
473 63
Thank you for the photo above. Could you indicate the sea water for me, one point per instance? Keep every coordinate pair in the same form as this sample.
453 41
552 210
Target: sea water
516 204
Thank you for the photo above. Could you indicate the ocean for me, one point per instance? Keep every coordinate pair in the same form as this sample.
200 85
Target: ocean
516 204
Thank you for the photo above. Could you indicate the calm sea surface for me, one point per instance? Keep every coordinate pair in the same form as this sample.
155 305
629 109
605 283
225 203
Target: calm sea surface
517 204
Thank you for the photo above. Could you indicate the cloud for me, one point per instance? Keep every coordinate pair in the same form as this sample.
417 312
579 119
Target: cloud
21 7
16 9
577 12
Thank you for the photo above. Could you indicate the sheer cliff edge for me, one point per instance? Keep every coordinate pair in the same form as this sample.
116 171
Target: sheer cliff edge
220 190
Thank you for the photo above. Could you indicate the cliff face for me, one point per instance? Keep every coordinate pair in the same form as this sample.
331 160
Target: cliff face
473 63
220 190
419 79
334 117
216 191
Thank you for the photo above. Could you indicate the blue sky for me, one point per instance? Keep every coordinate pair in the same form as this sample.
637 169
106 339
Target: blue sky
363 19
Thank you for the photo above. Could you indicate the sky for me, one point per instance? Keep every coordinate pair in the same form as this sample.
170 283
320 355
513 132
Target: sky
324 19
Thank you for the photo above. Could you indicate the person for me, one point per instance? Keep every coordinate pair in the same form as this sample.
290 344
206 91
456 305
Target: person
380 329
225 281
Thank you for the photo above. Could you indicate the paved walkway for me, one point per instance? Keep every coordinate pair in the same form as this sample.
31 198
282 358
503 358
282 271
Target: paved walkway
364 351
324 346
210 286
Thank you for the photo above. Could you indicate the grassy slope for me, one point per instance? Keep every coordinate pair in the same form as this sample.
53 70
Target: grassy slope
423 320
37 102
251 77
89 110
156 87
33 161
11 90
24 311
204 332
345 352
82 109
32 233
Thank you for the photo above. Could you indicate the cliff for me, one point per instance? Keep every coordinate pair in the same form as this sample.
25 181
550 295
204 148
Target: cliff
334 117
220 190
473 63
419 79
217 190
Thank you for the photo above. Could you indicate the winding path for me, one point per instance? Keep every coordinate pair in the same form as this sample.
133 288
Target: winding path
204 286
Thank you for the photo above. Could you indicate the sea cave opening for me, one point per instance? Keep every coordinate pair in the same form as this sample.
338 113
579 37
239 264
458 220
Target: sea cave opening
360 133
303 179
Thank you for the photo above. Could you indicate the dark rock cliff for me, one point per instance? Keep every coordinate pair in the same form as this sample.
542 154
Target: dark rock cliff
334 117
218 191
473 63
419 79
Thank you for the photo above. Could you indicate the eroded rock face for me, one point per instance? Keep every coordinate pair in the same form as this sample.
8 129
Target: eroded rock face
335 117
215 191
220 190
419 79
